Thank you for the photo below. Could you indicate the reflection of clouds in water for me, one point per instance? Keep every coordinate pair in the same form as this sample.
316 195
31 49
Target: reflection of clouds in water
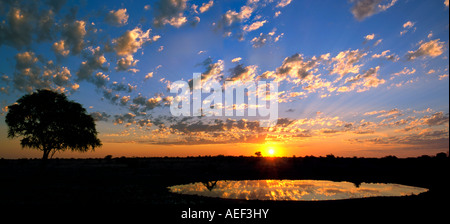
295 190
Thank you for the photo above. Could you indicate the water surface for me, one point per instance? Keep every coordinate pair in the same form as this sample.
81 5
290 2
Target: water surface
294 190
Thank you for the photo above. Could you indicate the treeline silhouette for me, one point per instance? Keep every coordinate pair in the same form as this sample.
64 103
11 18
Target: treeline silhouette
123 182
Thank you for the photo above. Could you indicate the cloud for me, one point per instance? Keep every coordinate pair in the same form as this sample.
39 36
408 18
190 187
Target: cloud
142 104
387 56
260 41
125 63
23 23
407 26
122 87
60 48
28 73
124 100
124 118
369 37
100 80
345 62
62 78
117 18
73 34
432 48
231 16
170 12
100 116
283 3
263 39
385 113
436 119
405 71
232 20
195 20
296 67
365 81
148 76
214 71
366 8
214 131
131 41
31 74
277 13
206 6
236 60
243 74
254 26
95 60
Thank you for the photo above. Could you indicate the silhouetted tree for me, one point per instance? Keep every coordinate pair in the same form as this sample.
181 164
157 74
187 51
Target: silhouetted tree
441 155
258 154
210 185
49 122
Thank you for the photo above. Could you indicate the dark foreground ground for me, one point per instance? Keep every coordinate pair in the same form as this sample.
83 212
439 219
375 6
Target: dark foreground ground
134 189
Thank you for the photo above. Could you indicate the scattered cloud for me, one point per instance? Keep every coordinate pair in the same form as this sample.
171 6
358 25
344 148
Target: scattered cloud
363 9
206 6
243 74
363 82
131 41
126 63
254 26
296 67
387 56
33 73
369 37
385 113
436 119
95 60
24 23
405 71
170 12
432 48
73 35
236 60
277 13
407 26
148 76
346 62
60 48
283 3
100 116
264 39
442 77
117 18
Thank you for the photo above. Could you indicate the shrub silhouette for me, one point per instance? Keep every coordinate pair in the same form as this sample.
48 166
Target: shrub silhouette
49 122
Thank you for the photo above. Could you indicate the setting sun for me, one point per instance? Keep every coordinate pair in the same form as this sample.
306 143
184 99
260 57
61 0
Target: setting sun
271 152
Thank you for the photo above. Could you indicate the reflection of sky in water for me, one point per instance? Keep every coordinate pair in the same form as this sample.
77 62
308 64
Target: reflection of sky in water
294 190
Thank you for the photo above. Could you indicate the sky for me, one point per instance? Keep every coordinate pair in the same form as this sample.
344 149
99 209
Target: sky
366 78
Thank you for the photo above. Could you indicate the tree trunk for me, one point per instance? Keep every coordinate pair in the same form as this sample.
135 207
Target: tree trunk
45 157
46 153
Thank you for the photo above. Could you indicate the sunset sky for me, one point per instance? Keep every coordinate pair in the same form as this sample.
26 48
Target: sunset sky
356 77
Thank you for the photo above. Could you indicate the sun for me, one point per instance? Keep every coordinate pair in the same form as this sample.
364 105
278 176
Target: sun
271 152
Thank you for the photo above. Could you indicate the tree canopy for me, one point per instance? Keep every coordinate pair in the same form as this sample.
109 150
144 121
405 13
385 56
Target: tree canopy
49 122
